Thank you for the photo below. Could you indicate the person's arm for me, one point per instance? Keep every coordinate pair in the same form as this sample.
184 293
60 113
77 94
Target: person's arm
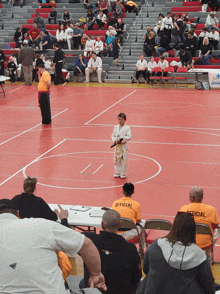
47 213
114 135
205 278
137 272
127 136
207 52
91 257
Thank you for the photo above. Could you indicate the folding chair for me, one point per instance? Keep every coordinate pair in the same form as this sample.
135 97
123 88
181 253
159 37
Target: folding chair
153 78
181 70
156 229
205 230
128 224
168 69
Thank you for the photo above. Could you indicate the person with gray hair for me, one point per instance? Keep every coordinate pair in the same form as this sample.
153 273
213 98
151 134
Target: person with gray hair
205 214
120 260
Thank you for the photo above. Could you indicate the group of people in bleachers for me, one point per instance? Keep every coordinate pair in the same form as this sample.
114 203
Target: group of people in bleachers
159 38
34 248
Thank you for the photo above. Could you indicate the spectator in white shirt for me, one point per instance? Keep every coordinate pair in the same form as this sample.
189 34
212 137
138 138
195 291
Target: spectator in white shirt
89 46
214 38
141 68
211 21
94 65
101 19
69 33
150 66
163 64
98 47
61 36
112 30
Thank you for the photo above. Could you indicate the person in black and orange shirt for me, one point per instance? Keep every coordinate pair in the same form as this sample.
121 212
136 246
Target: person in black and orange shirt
205 214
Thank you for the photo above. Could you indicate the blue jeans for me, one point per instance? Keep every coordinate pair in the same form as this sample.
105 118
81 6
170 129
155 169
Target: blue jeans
120 14
209 28
205 59
178 40
159 50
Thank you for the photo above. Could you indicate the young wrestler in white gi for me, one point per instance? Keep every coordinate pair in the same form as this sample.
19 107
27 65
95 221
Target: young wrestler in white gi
121 131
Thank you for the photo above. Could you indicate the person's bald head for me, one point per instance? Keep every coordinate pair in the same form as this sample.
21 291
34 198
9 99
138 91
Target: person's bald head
196 194
111 221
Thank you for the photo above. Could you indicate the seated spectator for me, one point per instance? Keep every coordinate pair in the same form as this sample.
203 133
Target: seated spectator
115 48
40 22
160 19
69 35
83 41
90 19
164 44
95 10
186 59
121 265
163 64
211 21
101 19
104 7
49 67
112 21
30 205
191 43
202 35
82 20
149 30
202 213
89 46
52 16
178 32
86 4
98 47
149 44
94 65
29 249
110 40
61 36
2 65
45 43
111 30
126 206
131 6
120 29
214 4
205 51
18 38
66 17
77 35
34 36
80 66
141 68
214 38
150 66
118 9
11 70
21 3
175 262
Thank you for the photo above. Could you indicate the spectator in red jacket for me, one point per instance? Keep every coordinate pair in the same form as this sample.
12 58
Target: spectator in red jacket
34 35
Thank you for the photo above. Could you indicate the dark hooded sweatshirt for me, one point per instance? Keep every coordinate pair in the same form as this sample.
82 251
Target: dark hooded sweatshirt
172 269
120 262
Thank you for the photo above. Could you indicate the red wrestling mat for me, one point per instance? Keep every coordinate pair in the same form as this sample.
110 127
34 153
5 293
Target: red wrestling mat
175 145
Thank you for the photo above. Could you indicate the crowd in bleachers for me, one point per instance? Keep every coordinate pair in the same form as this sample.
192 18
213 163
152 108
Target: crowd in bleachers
34 248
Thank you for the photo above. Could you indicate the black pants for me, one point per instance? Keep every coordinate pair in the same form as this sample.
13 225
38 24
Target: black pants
61 44
143 72
167 32
214 43
76 42
54 19
12 77
100 23
76 71
44 100
58 77
2 68
214 6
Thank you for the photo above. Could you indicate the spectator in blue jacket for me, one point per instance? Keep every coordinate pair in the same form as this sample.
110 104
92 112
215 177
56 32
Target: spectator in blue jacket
80 66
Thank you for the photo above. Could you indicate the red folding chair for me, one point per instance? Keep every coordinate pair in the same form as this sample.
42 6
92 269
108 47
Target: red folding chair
181 78
168 70
156 78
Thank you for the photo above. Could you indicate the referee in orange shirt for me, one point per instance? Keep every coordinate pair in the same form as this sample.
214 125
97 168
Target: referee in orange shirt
44 94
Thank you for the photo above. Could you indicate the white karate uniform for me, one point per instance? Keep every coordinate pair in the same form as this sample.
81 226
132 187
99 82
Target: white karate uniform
97 45
95 63
89 46
69 36
120 165
151 65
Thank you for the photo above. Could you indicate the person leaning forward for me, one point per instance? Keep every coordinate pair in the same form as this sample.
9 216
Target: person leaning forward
26 57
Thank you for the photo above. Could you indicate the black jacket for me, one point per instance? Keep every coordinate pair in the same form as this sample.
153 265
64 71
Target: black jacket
120 262
33 206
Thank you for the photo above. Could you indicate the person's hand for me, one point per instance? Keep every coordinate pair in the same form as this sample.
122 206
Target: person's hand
97 282
205 54
63 213
199 56
79 70
57 212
